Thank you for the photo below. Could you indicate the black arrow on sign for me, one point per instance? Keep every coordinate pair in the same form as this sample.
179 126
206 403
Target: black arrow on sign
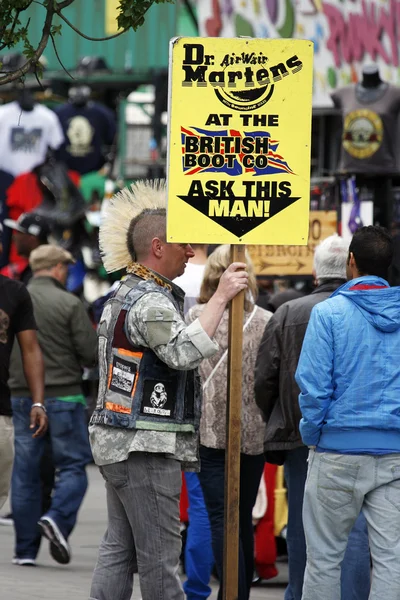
239 225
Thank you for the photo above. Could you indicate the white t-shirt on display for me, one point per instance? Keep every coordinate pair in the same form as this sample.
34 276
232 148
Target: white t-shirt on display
191 282
26 137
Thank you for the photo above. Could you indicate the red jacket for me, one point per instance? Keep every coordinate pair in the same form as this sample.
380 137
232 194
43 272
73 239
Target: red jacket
24 195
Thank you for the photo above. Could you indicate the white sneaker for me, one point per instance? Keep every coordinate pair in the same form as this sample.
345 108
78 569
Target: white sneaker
7 519
24 562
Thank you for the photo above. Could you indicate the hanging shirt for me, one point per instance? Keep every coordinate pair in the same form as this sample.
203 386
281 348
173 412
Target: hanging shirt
23 195
26 137
369 131
88 130
5 181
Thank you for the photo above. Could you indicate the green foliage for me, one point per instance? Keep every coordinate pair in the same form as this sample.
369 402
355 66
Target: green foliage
132 12
13 31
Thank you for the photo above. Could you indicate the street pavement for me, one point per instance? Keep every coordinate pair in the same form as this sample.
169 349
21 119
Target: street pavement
50 581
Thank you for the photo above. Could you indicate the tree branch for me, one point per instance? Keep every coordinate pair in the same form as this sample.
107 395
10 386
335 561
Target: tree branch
38 52
53 8
58 57
103 39
38 80
62 5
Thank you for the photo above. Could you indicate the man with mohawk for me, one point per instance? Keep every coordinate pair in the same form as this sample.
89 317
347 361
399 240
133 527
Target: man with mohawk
145 426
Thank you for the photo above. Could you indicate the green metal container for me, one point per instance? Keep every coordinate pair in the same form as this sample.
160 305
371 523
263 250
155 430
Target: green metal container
144 49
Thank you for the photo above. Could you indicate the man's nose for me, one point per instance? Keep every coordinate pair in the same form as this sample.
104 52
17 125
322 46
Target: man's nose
189 251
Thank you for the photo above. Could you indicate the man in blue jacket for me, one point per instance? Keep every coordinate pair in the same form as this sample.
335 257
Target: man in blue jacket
349 378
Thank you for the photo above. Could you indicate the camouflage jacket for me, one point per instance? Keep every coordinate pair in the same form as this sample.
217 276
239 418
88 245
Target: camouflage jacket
152 323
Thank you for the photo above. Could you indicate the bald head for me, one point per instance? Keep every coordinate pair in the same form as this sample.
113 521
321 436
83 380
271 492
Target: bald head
143 229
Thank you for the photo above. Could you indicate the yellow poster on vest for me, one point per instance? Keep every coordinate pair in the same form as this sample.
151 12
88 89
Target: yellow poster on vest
239 141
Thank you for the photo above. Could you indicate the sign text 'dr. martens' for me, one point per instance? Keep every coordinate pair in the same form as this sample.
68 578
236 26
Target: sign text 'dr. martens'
242 81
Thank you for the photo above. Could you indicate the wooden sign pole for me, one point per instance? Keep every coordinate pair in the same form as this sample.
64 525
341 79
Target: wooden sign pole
233 426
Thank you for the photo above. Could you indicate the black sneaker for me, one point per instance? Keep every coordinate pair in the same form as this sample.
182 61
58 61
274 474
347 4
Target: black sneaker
59 548
7 519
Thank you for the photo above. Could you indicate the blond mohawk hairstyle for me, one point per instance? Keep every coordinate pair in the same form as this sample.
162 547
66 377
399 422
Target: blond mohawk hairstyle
124 206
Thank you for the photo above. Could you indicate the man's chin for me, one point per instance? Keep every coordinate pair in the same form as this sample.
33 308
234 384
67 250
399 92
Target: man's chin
180 272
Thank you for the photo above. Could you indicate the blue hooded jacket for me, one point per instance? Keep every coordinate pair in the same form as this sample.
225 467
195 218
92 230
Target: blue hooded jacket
349 370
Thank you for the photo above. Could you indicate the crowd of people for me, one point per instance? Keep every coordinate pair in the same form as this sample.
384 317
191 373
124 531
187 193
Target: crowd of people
320 397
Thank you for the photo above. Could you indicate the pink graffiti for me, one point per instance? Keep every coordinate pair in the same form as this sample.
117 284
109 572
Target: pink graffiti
363 32
214 23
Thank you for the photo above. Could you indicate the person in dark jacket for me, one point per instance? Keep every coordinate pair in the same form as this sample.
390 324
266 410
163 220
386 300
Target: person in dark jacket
68 342
29 232
17 321
279 298
277 396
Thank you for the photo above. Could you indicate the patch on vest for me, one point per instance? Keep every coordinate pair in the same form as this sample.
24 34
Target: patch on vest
158 398
122 377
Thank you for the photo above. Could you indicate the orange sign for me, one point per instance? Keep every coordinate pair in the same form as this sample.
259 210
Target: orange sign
294 260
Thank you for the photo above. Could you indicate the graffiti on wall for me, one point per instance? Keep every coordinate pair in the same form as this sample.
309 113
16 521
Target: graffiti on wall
346 33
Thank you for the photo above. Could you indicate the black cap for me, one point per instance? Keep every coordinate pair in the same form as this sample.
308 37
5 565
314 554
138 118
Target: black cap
31 223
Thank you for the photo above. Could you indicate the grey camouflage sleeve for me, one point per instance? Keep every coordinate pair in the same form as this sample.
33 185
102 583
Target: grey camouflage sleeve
154 322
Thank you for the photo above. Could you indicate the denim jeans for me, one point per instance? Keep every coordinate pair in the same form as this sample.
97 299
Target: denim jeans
71 453
143 530
6 456
338 487
212 479
199 558
355 577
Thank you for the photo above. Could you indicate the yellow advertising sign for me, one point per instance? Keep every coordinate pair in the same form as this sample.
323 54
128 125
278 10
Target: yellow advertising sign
239 140
294 260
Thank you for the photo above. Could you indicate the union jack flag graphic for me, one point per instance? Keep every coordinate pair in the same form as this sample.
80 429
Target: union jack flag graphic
233 151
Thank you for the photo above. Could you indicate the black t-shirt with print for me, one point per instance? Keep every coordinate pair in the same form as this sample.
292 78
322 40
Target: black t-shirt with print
16 315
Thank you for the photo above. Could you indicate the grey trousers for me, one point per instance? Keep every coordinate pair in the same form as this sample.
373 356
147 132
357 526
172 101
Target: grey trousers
338 487
143 533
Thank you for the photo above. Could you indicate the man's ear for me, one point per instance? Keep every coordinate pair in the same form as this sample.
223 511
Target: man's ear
157 247
314 274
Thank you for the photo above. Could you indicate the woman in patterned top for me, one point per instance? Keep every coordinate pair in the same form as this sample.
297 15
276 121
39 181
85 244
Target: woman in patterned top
213 372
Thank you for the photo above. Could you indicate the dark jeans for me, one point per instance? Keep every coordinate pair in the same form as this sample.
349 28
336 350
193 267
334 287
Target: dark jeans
212 479
71 453
47 474
355 579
